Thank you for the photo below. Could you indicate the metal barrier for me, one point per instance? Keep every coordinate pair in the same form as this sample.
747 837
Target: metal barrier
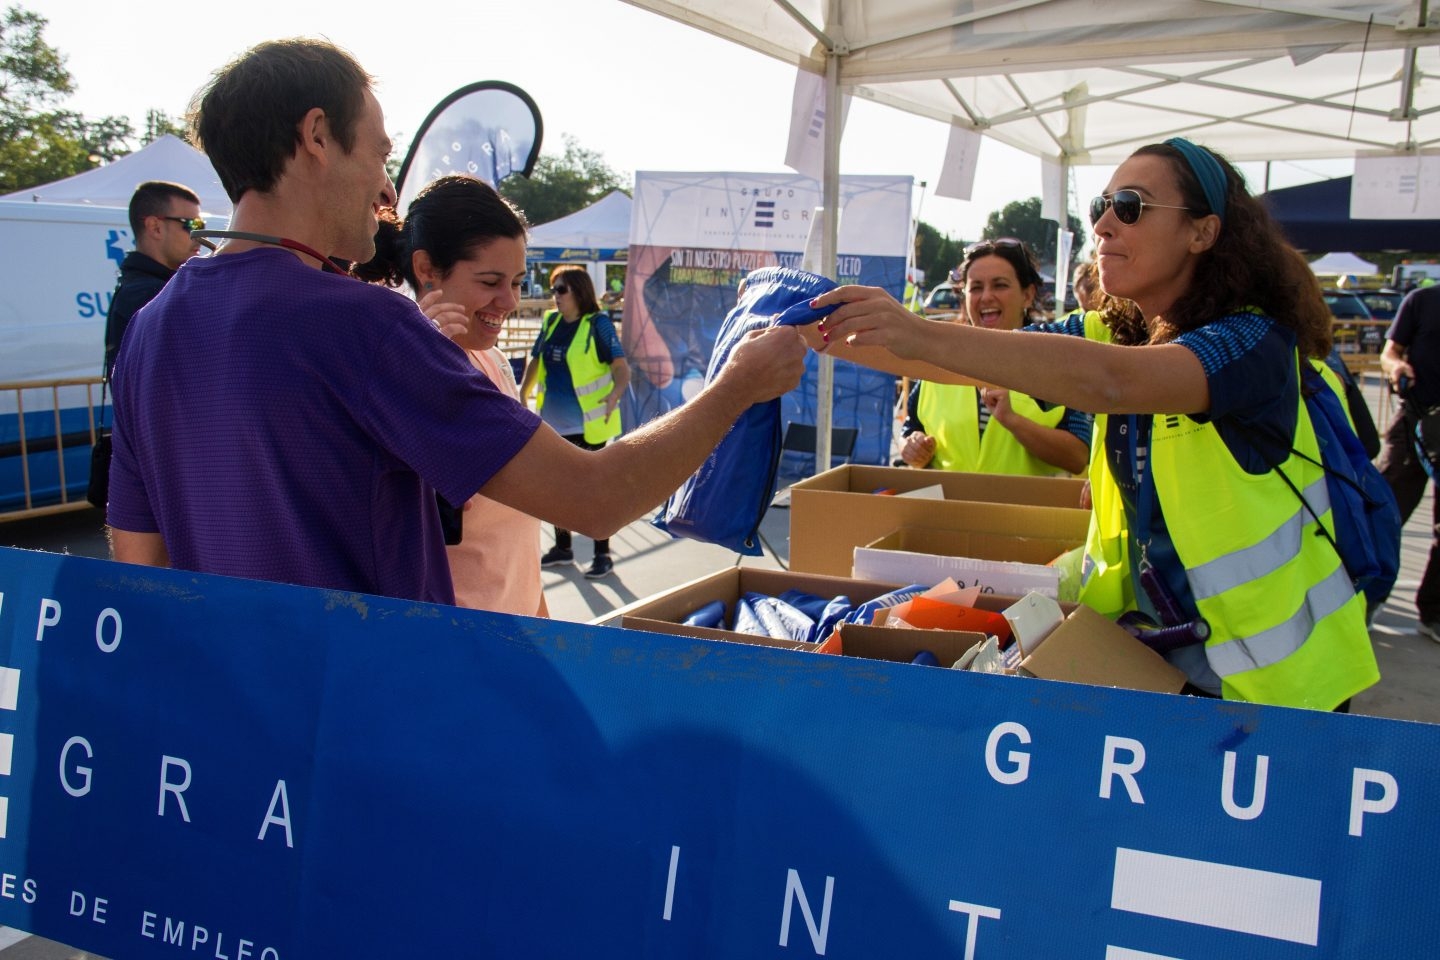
22 447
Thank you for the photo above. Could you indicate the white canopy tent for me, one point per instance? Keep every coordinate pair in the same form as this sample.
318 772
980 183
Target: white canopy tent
1342 263
595 235
603 229
1087 81
166 158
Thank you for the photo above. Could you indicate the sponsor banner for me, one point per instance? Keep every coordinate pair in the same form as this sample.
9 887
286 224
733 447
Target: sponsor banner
217 768
576 255
694 237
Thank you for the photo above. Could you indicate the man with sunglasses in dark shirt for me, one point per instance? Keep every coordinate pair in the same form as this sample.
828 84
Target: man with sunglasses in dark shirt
162 215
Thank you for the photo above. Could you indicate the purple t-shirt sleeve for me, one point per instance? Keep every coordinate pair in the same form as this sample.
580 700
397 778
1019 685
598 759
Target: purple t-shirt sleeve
439 415
128 507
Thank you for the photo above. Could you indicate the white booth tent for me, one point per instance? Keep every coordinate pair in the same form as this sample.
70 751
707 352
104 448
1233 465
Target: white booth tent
596 235
1342 263
166 158
1087 81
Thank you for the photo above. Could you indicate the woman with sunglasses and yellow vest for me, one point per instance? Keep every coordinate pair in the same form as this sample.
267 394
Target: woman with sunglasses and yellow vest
1206 432
991 429
579 367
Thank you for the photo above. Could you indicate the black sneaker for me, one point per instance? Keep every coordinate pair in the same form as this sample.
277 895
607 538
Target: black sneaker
600 567
557 556
1429 629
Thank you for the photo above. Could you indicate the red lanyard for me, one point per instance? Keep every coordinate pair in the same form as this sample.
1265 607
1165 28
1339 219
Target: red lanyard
326 264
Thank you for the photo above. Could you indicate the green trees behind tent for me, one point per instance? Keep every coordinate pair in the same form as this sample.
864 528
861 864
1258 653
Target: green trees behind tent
39 140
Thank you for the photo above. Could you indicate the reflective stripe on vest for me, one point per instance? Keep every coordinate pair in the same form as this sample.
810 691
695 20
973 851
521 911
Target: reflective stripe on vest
1287 626
1271 646
591 379
1255 561
596 386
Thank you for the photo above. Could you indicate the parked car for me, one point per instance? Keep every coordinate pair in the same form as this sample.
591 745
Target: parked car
1355 328
943 302
1382 304
1345 305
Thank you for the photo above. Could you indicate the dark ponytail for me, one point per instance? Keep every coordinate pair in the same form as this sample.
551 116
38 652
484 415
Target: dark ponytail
449 220
390 253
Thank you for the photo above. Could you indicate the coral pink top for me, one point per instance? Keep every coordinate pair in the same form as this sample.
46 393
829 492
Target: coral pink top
496 564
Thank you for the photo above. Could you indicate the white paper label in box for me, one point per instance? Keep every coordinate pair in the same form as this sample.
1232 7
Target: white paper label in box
933 492
991 576
1031 619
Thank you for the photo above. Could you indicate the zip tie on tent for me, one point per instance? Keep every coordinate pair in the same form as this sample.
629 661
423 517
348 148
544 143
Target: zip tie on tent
1359 74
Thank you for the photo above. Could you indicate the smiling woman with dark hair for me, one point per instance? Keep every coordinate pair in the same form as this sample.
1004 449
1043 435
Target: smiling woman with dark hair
991 429
461 249
1208 447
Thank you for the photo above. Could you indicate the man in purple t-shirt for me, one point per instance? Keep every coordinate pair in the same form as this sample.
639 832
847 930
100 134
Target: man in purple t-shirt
277 420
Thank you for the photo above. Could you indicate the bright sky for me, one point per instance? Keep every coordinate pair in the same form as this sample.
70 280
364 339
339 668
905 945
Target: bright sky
643 91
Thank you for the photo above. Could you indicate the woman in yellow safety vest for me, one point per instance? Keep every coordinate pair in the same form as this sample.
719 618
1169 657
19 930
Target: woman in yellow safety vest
579 367
991 429
1207 439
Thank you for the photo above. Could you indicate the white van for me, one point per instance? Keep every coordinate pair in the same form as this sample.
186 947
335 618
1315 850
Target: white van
61 262
60 266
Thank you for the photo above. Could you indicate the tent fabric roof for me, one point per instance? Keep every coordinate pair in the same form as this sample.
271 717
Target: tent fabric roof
1316 216
1346 263
166 158
1090 81
604 227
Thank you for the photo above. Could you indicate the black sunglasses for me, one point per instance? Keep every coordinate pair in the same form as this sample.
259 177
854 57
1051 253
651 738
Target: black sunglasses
983 248
559 289
189 223
1127 204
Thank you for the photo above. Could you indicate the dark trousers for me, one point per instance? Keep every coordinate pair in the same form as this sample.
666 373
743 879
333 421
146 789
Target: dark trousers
1401 467
562 537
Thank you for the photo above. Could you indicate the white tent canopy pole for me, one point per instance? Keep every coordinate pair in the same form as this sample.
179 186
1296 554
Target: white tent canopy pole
829 255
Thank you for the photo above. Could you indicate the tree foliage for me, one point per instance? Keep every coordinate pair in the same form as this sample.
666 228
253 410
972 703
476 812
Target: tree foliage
158 123
561 185
936 255
1021 219
40 142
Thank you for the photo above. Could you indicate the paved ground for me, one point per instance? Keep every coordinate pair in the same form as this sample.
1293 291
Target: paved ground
647 561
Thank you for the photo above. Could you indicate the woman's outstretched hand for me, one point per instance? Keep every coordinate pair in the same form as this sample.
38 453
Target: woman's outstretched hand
870 317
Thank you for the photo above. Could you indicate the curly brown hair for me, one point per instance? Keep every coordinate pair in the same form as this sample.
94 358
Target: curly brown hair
1250 265
1127 326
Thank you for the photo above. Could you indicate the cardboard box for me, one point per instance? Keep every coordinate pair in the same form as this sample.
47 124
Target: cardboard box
1088 648
1004 563
663 612
900 645
833 513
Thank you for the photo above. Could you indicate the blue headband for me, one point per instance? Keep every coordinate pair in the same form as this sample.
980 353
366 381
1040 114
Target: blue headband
1207 170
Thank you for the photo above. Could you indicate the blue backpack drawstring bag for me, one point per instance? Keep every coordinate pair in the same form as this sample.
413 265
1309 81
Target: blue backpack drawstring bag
724 501
1362 505
1363 511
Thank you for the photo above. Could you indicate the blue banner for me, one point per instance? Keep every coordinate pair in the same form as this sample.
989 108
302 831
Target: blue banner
218 768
